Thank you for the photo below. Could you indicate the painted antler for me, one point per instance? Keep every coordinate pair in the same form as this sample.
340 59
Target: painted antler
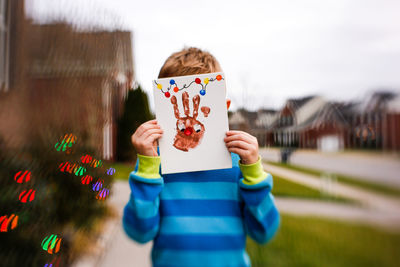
175 103
196 104
185 102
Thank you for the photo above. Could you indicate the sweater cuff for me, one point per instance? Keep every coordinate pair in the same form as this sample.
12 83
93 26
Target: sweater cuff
253 173
148 167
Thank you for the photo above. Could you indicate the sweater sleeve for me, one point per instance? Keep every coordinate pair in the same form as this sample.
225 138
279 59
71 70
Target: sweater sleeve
141 215
261 216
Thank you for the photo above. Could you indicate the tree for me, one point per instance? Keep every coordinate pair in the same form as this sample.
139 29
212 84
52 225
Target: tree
136 112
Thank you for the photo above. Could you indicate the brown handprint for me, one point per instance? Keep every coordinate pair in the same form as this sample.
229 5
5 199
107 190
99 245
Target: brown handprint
189 131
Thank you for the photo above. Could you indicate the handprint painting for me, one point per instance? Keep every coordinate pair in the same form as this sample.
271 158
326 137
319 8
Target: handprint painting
192 112
189 131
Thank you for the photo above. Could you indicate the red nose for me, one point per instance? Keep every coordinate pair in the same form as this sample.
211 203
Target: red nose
188 131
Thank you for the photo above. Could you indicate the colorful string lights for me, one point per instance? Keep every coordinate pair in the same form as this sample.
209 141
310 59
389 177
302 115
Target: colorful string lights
51 244
103 194
6 221
174 86
98 185
72 168
87 159
87 179
66 143
27 195
54 263
110 171
22 177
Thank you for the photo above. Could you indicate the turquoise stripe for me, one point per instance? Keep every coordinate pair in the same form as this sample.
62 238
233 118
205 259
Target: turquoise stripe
263 208
231 258
144 209
207 190
201 225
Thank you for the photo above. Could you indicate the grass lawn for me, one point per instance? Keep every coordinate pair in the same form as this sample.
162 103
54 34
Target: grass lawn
342 178
285 188
122 170
307 241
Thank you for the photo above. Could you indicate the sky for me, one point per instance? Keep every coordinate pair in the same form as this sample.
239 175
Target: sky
269 50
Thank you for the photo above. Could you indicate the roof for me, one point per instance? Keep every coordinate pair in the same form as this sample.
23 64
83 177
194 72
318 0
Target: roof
296 103
249 118
394 104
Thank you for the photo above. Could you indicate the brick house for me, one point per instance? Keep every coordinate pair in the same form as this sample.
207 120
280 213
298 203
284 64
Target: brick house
64 79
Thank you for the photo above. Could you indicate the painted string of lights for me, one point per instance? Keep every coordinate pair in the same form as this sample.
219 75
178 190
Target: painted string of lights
175 87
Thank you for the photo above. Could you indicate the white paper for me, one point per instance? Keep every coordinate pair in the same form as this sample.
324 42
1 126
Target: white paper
210 151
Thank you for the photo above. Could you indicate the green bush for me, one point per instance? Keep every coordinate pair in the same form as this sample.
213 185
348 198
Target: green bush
62 205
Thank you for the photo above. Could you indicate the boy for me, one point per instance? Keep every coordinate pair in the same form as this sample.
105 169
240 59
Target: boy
199 218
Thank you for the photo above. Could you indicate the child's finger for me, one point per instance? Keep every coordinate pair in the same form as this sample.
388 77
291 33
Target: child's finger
240 144
238 151
231 132
145 127
234 132
152 138
239 137
150 132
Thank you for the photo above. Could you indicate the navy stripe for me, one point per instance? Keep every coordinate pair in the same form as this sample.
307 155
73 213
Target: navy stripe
262 225
252 222
223 175
194 207
272 215
200 242
144 191
137 223
254 197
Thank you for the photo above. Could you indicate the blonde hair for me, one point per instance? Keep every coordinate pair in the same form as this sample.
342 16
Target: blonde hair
189 61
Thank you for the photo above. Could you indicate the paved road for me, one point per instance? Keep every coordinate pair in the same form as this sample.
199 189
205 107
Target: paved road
374 167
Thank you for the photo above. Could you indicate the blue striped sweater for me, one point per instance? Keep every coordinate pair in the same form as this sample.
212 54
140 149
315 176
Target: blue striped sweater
200 218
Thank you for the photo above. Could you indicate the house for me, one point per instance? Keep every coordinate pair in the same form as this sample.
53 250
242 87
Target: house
257 123
375 121
391 128
313 122
68 80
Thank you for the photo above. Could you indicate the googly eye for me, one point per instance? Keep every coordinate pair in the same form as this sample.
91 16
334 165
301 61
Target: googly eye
197 128
181 127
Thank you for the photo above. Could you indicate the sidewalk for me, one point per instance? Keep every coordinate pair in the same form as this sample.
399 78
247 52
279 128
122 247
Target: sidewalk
116 249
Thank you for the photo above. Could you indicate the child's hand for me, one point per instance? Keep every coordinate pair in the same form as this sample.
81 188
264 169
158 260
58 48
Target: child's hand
145 138
243 144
